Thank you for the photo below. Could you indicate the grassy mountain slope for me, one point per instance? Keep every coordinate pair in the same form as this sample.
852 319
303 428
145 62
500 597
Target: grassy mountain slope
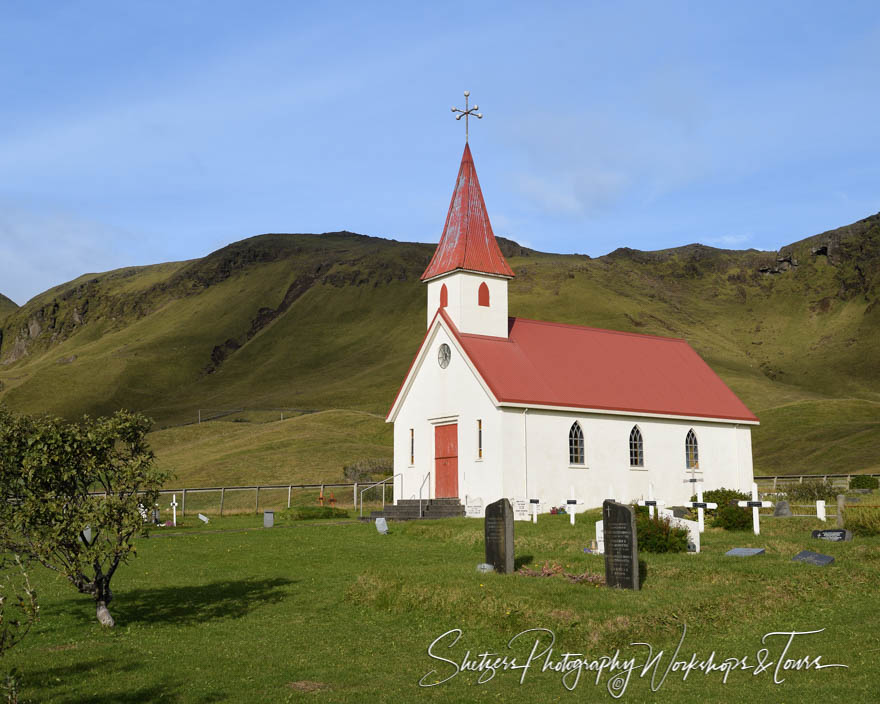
6 307
332 321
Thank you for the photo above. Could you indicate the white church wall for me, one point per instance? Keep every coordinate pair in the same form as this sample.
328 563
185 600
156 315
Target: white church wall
543 470
438 396
463 308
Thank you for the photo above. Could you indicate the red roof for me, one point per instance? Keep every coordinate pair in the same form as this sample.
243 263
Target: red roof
467 241
551 364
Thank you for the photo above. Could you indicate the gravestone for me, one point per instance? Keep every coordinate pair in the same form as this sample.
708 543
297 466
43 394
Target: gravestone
813 558
693 529
86 536
621 546
600 537
680 511
521 510
498 532
382 526
860 491
782 510
268 519
204 519
484 568
474 508
744 552
835 535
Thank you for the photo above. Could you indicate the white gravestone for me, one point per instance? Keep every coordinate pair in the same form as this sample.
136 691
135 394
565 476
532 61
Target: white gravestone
474 508
693 529
600 537
203 518
521 510
382 526
534 503
820 510
755 504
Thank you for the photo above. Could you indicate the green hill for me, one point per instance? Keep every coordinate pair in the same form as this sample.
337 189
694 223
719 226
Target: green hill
332 321
6 307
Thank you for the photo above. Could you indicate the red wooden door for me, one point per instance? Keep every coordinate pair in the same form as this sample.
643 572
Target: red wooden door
446 461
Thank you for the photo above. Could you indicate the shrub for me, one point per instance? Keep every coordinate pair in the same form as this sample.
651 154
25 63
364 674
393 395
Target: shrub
657 534
733 518
722 497
863 481
310 513
862 521
362 470
812 491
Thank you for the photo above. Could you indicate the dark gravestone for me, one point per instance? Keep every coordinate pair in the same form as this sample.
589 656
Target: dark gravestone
835 535
621 546
782 510
499 536
680 511
813 558
744 552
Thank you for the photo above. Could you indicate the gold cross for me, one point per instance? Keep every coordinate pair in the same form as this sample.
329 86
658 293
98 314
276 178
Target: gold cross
466 113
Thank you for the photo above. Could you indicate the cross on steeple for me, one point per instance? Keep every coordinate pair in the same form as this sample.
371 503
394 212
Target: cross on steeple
466 113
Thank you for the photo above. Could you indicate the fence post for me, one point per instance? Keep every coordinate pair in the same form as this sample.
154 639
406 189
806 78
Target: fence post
288 495
802 479
774 483
841 502
222 496
848 480
183 506
257 502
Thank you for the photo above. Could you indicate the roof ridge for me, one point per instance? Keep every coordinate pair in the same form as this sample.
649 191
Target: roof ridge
595 329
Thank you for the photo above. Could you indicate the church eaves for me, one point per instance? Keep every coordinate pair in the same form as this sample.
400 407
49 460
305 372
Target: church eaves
468 241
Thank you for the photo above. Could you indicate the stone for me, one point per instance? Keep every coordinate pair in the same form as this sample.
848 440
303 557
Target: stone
204 519
485 567
860 491
268 519
813 558
521 510
835 535
744 552
853 500
86 535
474 508
498 532
621 546
680 511
782 510
600 538
382 526
693 529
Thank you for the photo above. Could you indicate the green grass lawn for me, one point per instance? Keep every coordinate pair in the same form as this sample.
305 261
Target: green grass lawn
331 611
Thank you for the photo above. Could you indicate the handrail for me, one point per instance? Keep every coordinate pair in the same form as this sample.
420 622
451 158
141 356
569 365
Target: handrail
386 479
427 476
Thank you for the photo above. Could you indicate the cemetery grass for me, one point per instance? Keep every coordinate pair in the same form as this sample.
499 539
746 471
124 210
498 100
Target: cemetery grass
331 611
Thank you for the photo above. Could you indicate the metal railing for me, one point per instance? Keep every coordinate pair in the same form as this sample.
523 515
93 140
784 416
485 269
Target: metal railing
427 477
383 482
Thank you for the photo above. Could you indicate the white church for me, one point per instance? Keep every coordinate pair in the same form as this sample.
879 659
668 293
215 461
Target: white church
496 406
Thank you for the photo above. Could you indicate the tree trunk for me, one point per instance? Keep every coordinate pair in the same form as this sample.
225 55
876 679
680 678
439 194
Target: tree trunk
104 617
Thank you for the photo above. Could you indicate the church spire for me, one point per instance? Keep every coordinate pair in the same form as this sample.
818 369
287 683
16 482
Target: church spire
468 241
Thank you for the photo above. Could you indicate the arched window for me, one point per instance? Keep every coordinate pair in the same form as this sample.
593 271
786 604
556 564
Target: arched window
691 451
483 295
444 296
636 448
575 444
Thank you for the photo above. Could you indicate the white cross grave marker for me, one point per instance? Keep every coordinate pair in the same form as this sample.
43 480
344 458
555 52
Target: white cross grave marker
570 504
174 509
651 503
701 505
755 504
534 503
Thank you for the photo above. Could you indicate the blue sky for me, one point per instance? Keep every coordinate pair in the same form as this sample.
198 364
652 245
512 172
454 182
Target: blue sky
135 133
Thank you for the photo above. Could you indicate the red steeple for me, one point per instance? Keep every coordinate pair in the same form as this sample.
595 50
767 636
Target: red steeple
467 241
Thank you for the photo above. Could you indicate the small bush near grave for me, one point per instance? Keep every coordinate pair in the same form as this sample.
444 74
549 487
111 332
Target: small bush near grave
722 497
864 482
657 534
733 518
811 492
862 521
310 513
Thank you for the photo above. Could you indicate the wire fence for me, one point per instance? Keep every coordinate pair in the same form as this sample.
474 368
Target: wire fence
774 483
